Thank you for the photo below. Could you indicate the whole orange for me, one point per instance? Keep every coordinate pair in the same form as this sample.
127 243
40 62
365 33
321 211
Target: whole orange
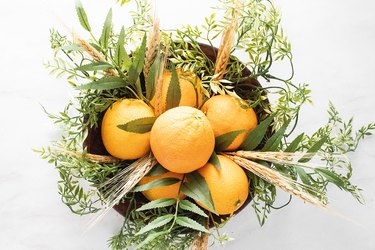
229 187
170 191
227 114
190 87
182 139
120 143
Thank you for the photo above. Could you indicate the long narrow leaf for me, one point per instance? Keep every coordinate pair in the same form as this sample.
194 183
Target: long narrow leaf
158 222
256 136
107 29
82 16
95 66
174 90
315 148
274 141
294 144
156 183
222 142
139 126
164 202
190 223
138 60
197 188
190 206
104 84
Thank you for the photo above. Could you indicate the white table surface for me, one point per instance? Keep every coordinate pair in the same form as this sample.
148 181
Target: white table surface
333 44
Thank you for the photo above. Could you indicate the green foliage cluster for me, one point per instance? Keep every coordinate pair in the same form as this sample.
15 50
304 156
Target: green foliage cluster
175 223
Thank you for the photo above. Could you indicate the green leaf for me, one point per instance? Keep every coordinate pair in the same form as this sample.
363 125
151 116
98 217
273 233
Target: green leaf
94 66
82 16
120 49
305 178
274 141
294 144
106 32
331 177
315 148
157 170
214 160
138 61
174 90
122 2
197 188
190 223
256 136
164 202
105 83
153 74
156 183
158 222
190 206
222 142
139 126
150 237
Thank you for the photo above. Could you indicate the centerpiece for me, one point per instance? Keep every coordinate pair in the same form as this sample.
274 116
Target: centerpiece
179 135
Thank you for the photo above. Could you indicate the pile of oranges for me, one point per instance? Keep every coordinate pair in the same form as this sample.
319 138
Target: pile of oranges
182 139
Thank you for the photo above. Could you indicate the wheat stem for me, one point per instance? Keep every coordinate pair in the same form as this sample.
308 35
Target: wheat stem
105 159
276 179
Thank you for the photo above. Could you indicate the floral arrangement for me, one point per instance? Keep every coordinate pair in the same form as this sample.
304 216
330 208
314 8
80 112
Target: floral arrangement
179 136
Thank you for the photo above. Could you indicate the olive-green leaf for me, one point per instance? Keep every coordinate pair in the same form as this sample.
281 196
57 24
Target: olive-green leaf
255 137
305 178
274 141
153 74
292 147
157 170
106 32
331 177
82 16
314 148
190 223
150 237
190 206
94 66
120 49
139 126
197 188
138 61
222 142
158 222
214 160
105 83
156 183
164 202
122 2
174 90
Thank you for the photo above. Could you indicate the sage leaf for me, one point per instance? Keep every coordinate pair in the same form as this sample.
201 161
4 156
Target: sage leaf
153 74
274 141
156 183
331 177
294 144
158 222
94 66
190 223
255 137
314 148
214 160
197 188
222 142
174 90
106 32
157 170
164 202
190 206
139 126
150 237
138 61
105 83
82 16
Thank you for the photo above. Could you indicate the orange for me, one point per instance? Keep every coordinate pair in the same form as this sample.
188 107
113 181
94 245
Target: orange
190 86
229 186
170 191
120 143
227 114
182 139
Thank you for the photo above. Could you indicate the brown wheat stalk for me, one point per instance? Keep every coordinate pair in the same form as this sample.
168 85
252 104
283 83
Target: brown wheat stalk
104 159
159 108
225 47
276 179
96 55
153 43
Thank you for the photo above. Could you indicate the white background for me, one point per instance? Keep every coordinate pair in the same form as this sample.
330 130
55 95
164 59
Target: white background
333 44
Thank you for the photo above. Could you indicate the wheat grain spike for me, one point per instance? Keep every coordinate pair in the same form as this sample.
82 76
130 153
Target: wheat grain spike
159 108
276 179
105 159
153 43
